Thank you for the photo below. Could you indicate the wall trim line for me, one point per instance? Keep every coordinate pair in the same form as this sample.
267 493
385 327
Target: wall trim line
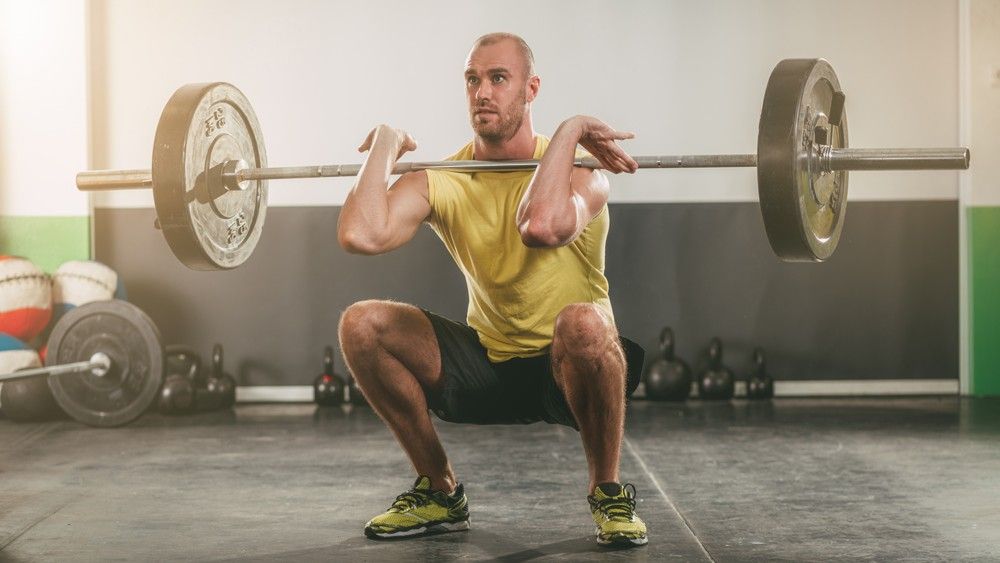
828 388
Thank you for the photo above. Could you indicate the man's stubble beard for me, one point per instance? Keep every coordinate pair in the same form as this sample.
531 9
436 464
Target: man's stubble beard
510 121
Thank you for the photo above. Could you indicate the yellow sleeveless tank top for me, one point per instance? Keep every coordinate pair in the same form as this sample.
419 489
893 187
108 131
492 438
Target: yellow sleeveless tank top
515 292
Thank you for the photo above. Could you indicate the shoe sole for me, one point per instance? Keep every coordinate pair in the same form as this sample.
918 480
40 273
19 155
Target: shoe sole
621 541
439 528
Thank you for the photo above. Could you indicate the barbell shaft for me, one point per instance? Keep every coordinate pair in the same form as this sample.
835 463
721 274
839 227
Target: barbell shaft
75 367
102 180
335 170
831 159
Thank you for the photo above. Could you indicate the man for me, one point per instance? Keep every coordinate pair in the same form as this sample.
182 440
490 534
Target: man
541 343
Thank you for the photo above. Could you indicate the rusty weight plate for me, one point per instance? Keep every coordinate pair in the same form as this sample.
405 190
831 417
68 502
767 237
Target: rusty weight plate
202 127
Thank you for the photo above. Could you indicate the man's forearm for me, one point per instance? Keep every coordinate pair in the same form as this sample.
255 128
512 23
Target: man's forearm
550 202
366 209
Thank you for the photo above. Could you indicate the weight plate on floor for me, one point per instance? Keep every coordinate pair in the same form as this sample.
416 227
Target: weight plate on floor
803 209
129 338
207 226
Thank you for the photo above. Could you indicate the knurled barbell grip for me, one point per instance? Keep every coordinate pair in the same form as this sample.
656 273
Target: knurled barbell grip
339 170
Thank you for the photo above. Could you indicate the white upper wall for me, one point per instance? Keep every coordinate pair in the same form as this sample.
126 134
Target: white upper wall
43 108
984 101
686 77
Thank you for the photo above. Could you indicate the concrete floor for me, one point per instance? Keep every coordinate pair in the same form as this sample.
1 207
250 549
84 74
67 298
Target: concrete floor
830 479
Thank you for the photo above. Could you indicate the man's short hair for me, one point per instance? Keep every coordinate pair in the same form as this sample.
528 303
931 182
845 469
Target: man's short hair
496 37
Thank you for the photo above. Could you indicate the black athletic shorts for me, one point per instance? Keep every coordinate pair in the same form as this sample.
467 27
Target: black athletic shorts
516 391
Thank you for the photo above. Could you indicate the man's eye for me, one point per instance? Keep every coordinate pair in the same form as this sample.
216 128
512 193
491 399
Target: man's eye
471 80
497 78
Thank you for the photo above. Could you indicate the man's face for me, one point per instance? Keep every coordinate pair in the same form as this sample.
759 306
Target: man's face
497 87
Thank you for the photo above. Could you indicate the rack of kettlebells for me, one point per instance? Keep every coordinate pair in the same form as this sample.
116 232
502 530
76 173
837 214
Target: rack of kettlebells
669 378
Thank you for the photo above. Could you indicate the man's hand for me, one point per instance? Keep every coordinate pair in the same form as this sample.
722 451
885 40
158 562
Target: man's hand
402 141
600 140
375 217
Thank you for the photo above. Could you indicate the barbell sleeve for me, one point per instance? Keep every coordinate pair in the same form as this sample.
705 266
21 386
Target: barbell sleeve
833 159
100 180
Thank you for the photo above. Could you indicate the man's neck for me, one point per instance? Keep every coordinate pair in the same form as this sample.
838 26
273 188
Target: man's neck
519 147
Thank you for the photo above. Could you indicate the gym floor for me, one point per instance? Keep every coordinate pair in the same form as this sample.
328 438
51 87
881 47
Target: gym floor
792 479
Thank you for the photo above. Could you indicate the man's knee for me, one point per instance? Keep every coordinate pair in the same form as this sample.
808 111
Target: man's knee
365 323
584 332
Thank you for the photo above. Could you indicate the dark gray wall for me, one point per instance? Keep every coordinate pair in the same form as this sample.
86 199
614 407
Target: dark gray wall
884 307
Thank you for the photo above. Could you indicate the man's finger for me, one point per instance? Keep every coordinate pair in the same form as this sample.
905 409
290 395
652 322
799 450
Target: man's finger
367 143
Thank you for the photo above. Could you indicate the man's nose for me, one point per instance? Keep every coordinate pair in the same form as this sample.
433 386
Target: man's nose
483 92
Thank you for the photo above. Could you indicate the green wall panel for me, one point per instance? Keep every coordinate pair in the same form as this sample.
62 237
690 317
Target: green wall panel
984 300
46 241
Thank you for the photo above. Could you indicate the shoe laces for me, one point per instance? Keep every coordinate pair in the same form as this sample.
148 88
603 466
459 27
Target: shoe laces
619 508
410 499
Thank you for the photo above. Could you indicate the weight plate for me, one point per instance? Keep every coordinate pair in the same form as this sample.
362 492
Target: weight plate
803 209
129 338
207 226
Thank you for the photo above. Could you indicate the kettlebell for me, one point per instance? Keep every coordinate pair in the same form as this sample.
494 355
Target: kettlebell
29 400
328 387
219 383
176 395
668 377
760 385
184 360
182 373
717 381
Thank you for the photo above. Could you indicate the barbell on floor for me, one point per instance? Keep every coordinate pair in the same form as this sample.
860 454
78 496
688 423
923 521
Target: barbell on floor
104 363
209 175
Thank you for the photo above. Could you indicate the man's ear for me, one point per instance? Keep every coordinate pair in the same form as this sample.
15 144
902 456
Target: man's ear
534 83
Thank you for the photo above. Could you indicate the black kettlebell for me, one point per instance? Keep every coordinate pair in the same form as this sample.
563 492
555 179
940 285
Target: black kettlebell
717 381
182 374
219 383
29 400
669 377
760 385
211 396
328 387
176 395
354 394
185 360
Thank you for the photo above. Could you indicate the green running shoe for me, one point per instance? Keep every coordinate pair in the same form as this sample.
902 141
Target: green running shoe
421 511
613 508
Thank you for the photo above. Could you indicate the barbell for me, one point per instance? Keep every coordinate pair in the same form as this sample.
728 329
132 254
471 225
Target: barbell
209 174
104 363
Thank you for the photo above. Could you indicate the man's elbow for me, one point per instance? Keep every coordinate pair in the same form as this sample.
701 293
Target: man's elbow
539 234
358 243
